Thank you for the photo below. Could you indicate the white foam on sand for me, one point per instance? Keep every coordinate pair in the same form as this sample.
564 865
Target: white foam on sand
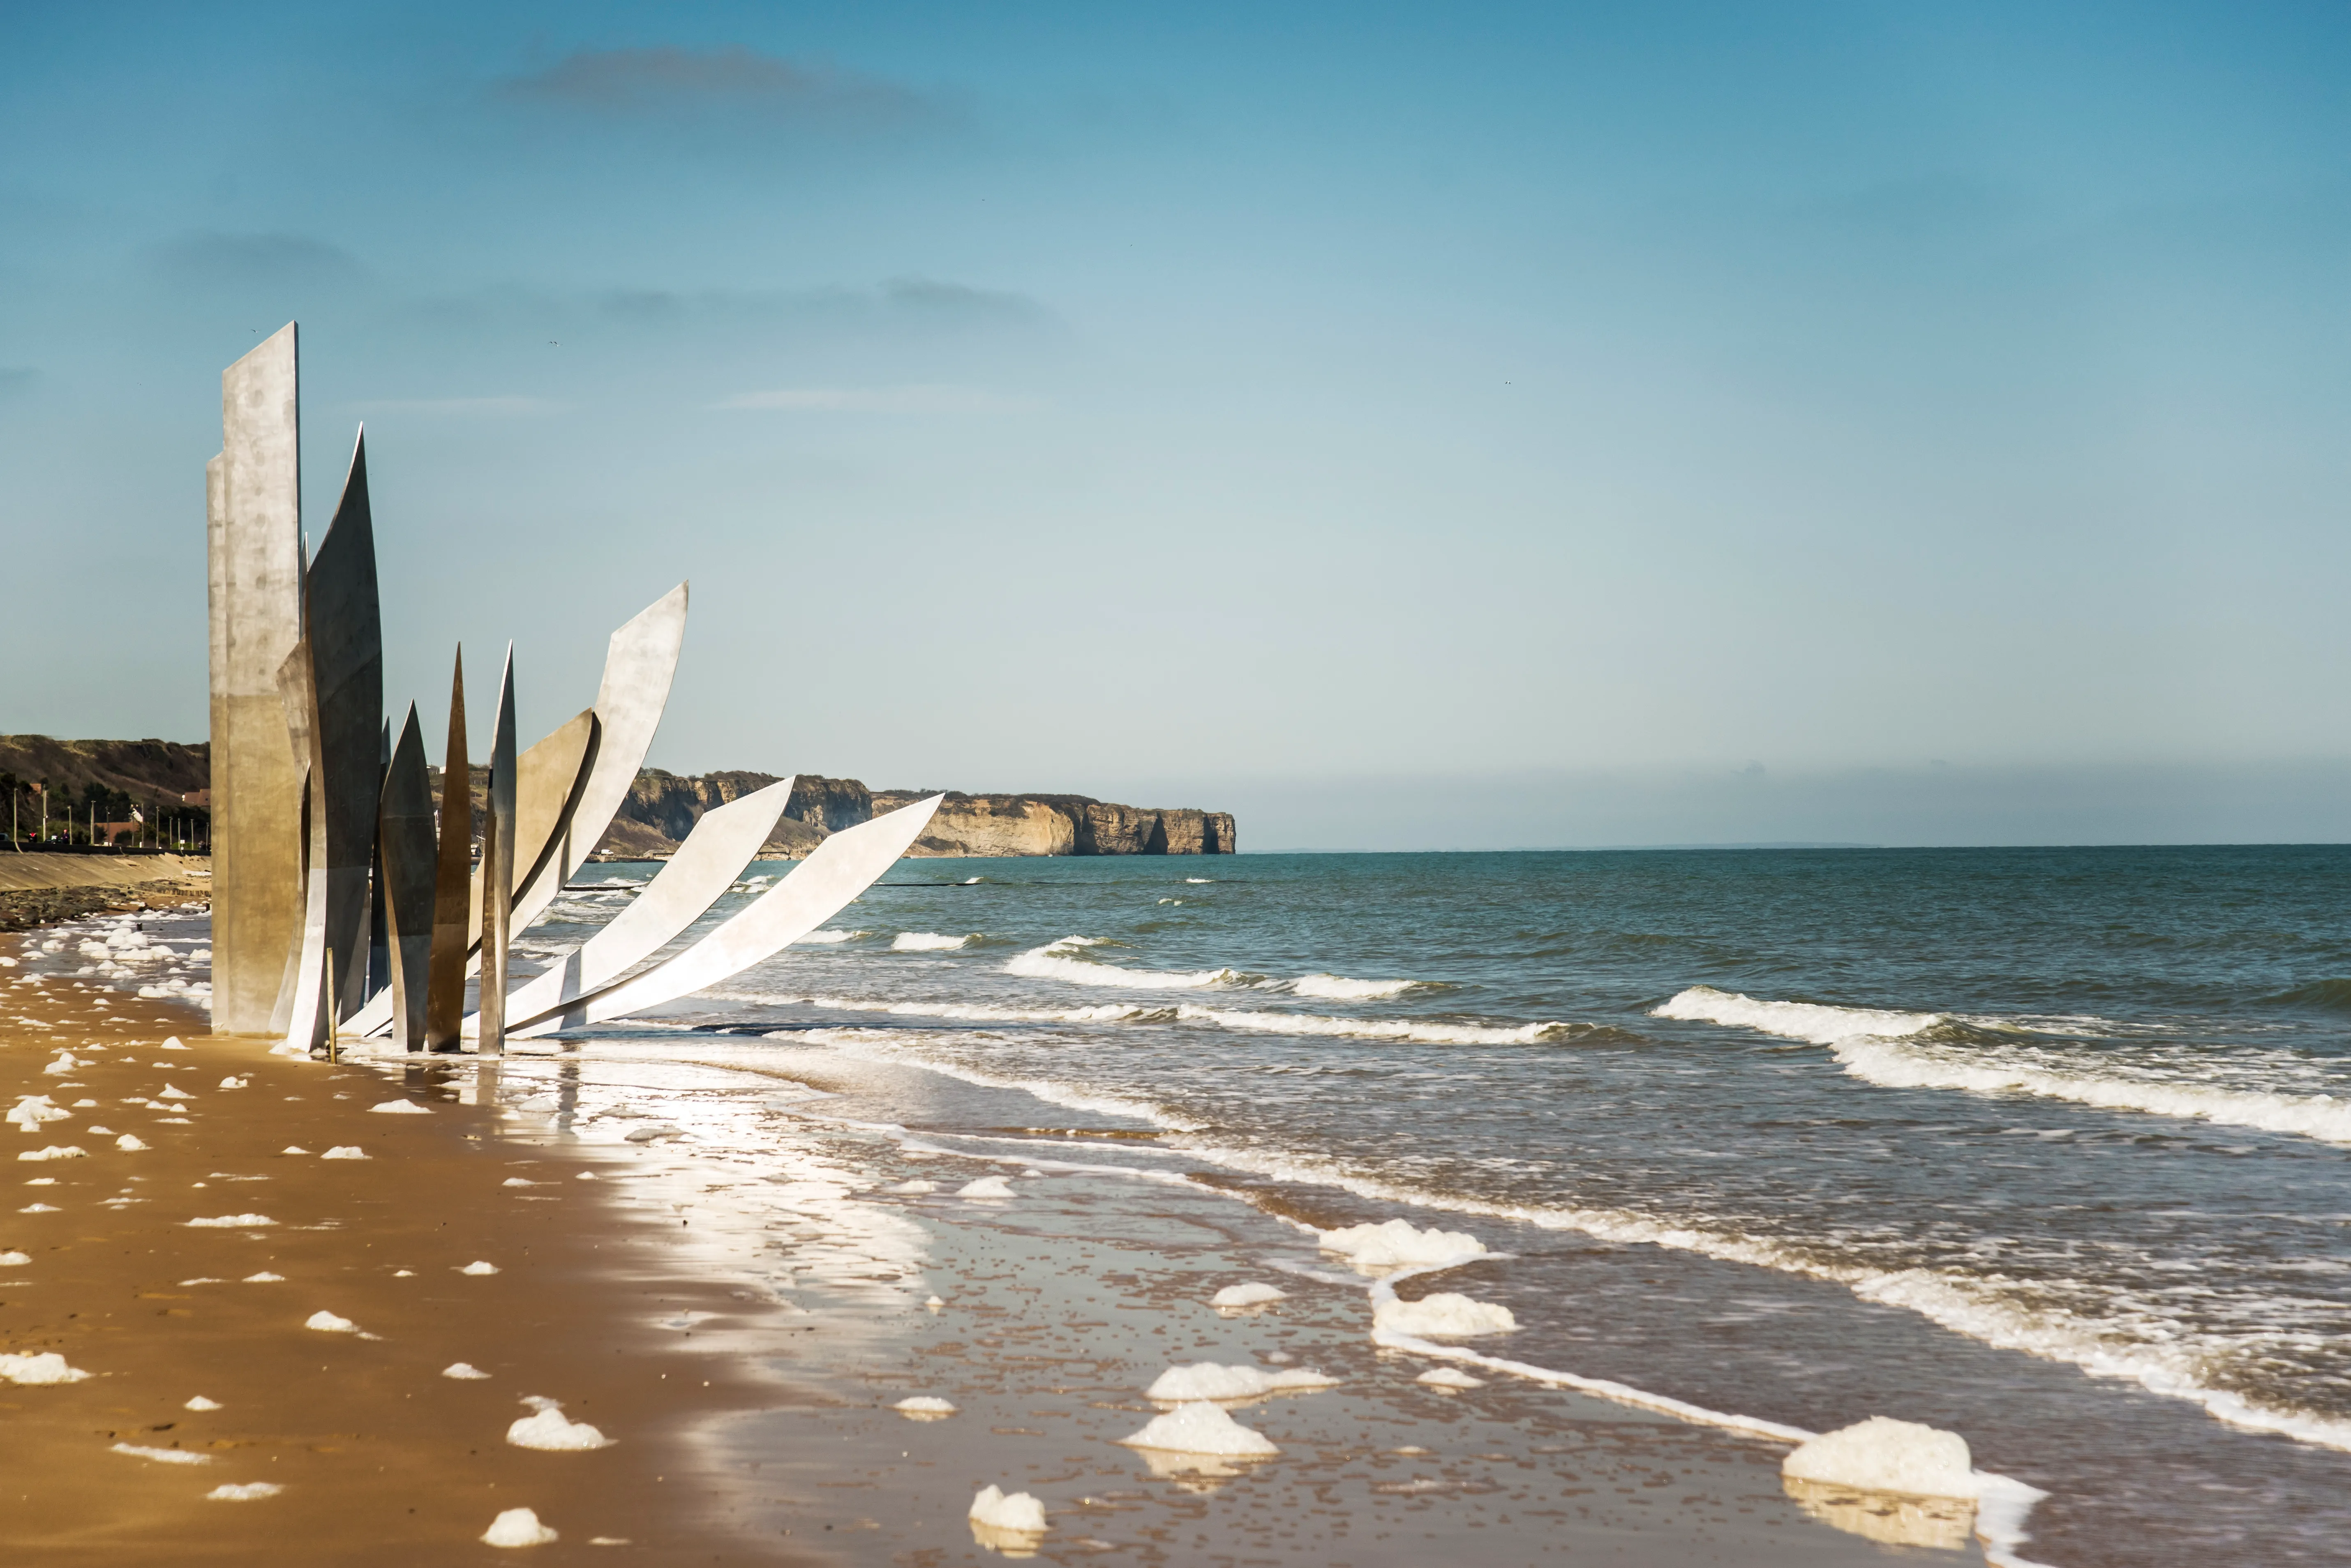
232 1222
1445 1315
128 1143
550 1432
56 1151
1059 961
1207 1380
925 1406
985 1187
1398 1244
925 942
248 1491
407 1109
327 1323
1254 1293
293 1149
517 1527
464 1371
1450 1378
478 1267
1881 1454
345 1151
1020 1512
1881 1048
39 1369
263 1278
200 1403
161 1456
916 1185
1201 1427
15 1259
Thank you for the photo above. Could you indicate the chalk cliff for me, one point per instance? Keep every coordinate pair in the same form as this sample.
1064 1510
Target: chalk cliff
663 808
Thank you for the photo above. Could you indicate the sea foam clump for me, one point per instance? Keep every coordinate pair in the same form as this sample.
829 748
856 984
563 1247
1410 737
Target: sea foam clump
1207 1380
410 1108
1881 1454
1019 1513
1444 1315
33 1371
56 1151
550 1432
31 1110
464 1371
1201 1427
249 1491
345 1151
232 1222
517 1527
1397 1245
327 1323
985 1187
924 1407
1254 1293
1450 1378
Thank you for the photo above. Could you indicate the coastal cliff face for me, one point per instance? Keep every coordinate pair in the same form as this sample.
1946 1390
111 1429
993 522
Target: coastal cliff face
663 808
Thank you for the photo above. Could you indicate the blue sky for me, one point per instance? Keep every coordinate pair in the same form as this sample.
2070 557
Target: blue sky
1298 408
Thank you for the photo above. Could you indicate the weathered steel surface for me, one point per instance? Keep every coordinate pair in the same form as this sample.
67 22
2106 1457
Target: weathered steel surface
638 665
499 870
300 1015
254 571
548 780
444 995
841 868
704 866
343 629
406 840
379 924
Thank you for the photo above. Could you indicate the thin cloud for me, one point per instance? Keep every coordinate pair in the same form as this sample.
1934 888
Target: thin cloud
212 258
463 408
671 82
933 399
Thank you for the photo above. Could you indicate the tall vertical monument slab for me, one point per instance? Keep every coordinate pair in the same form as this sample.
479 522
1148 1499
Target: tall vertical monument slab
253 556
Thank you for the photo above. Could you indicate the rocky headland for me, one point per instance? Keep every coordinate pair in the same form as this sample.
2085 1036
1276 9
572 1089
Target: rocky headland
664 807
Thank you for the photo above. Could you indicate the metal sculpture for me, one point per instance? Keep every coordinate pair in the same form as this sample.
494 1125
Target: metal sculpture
331 880
497 869
253 493
404 835
721 844
444 995
817 888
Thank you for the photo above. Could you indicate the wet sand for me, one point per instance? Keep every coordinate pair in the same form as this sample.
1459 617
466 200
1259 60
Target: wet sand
739 1293
382 1458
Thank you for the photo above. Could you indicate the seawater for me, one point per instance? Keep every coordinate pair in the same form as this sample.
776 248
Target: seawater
2051 1147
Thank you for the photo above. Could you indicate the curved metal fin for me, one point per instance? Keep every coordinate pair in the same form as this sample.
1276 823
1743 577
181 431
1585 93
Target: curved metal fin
842 866
721 844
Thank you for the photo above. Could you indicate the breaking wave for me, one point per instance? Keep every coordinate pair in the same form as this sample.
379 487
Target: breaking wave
1932 1051
1060 960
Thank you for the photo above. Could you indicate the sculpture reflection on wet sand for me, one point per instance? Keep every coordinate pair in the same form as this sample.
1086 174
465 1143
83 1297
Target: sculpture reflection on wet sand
346 900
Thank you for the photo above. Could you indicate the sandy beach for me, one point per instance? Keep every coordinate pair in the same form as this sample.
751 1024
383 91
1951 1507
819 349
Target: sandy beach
732 1258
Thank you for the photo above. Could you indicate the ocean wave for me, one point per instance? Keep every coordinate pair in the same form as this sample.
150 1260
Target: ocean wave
1057 960
1900 1065
929 942
1817 1023
1987 1056
2334 995
1339 988
1412 1031
829 936
2164 1361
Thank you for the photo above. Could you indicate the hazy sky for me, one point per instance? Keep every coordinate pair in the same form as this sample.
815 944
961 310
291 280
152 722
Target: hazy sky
1232 403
